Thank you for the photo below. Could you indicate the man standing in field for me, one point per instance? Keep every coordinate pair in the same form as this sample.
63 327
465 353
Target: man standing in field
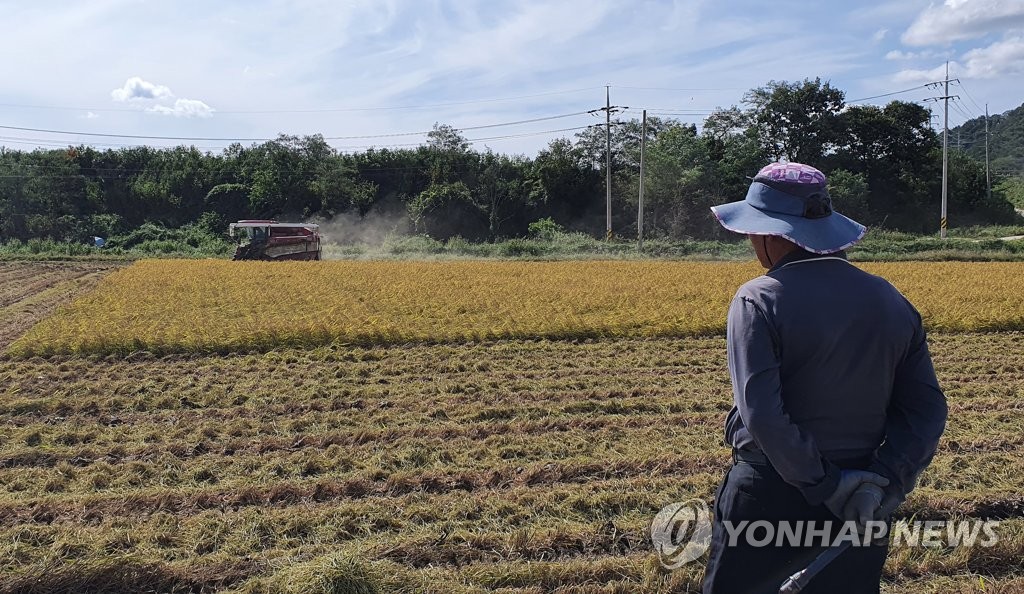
836 406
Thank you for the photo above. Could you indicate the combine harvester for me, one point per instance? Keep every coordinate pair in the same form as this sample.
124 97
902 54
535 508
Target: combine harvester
270 240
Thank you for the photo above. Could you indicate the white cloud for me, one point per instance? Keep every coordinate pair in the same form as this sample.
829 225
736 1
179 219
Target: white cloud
89 116
1002 58
184 108
925 76
898 55
879 35
956 20
136 88
921 55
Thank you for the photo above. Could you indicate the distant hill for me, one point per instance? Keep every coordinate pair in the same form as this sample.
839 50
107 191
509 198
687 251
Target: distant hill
1006 144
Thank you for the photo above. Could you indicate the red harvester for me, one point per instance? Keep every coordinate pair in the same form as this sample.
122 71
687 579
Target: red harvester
270 240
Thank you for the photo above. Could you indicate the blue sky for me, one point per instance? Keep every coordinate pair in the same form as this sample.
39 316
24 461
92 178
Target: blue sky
254 69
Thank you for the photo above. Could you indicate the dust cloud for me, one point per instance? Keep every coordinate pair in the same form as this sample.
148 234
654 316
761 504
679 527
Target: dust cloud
350 229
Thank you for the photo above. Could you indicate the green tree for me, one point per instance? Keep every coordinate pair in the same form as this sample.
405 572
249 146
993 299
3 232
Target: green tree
565 185
502 193
849 192
230 201
443 210
798 121
447 139
1012 188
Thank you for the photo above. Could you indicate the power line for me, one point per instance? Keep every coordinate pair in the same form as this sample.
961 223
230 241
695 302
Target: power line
962 111
966 92
214 139
887 94
463 128
675 109
23 129
526 134
353 147
674 89
736 89
59 143
677 114
317 110
966 109
471 140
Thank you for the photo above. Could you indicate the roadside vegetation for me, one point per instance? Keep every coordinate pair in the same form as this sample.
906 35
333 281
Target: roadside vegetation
548 242
146 241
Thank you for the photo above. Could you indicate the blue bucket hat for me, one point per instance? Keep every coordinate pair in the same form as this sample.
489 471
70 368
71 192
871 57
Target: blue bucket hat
791 200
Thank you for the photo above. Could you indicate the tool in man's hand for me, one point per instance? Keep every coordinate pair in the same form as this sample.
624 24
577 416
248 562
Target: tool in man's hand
799 580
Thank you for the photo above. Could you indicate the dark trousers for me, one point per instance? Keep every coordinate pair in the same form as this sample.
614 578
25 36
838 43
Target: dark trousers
755 492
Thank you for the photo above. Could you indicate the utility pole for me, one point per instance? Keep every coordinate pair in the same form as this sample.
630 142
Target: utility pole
945 147
608 109
945 155
640 207
608 161
988 178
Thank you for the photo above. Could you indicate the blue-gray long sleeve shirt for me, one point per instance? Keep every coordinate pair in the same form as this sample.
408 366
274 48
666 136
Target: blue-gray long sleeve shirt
830 363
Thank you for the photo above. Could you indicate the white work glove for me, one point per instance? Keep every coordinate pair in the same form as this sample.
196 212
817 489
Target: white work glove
849 482
890 502
862 506
892 499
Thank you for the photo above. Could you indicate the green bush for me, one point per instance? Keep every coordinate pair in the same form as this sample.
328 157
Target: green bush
423 244
545 228
158 246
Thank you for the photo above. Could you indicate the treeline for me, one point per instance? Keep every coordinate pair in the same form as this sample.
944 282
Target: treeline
1005 140
884 165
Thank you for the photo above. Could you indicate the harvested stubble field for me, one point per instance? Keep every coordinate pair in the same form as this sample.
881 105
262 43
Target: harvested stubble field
513 465
31 291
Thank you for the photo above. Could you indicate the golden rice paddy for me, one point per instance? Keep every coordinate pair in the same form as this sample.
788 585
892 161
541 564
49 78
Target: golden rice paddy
219 306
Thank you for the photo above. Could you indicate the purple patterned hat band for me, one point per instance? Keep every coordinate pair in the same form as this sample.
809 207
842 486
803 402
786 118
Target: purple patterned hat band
791 188
791 173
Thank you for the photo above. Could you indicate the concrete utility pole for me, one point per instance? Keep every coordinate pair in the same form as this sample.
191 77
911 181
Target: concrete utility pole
608 161
945 155
608 109
640 207
988 178
945 147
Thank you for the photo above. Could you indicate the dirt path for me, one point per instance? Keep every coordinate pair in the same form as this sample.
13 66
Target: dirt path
30 291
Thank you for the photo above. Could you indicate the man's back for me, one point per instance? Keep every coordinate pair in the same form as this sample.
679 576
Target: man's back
841 334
